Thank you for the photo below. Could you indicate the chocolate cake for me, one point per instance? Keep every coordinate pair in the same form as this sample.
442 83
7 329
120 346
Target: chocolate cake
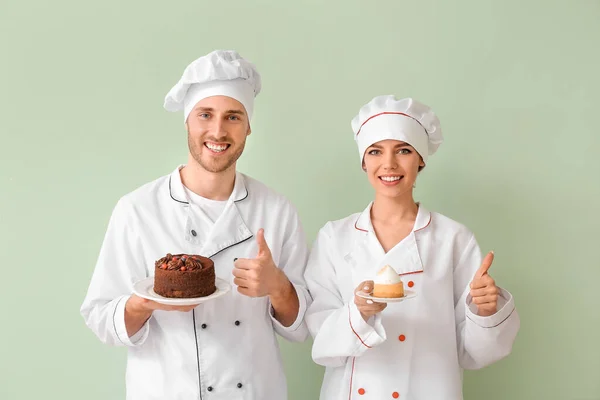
184 276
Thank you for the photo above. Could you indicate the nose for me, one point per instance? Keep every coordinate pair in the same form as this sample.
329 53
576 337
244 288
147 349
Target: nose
390 161
218 129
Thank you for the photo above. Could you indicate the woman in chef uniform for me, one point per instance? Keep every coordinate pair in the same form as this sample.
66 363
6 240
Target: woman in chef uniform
459 319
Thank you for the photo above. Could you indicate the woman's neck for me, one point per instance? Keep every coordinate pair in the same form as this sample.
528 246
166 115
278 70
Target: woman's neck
393 210
393 219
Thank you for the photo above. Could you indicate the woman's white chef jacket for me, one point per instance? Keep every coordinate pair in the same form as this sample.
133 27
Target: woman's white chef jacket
415 349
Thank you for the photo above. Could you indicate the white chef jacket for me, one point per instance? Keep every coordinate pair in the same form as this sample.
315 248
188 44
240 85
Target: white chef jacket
415 349
225 348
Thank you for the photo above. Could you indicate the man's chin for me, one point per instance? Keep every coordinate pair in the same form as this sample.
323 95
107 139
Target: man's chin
217 167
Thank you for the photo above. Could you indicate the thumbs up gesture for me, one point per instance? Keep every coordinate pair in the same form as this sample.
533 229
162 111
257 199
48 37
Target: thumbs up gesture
483 288
259 276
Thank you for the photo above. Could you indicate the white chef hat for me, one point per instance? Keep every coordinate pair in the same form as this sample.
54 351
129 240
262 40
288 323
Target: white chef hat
407 120
219 73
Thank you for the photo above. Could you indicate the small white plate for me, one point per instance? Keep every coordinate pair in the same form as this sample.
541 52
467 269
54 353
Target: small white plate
408 294
145 289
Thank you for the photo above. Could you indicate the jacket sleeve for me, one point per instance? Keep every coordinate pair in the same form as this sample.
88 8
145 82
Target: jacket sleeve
292 262
338 329
118 266
481 340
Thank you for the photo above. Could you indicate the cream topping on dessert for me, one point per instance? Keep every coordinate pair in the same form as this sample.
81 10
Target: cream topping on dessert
387 276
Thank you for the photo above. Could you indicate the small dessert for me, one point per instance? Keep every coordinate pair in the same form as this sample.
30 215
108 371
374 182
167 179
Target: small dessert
184 276
387 284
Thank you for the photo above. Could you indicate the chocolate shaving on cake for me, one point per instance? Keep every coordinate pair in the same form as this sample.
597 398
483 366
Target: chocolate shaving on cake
192 264
163 260
175 263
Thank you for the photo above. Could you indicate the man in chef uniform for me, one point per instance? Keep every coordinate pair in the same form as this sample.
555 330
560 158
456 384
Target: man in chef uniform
459 319
224 348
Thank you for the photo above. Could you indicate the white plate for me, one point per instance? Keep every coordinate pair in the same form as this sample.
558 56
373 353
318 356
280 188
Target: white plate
408 294
145 289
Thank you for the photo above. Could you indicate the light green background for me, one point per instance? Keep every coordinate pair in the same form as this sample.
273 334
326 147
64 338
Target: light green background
515 84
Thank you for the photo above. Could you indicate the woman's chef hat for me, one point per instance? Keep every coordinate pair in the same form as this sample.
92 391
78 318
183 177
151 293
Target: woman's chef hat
406 120
219 73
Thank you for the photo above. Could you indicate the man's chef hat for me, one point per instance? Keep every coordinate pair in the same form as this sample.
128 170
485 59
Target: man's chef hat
219 73
406 120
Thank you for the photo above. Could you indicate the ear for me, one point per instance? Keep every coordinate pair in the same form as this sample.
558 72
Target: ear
249 130
364 167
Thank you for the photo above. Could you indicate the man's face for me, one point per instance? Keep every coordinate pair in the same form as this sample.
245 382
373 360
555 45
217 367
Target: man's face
217 130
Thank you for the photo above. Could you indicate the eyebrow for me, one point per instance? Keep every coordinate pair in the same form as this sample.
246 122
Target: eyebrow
401 144
210 109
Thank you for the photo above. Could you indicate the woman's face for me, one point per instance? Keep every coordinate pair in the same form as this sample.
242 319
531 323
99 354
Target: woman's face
392 167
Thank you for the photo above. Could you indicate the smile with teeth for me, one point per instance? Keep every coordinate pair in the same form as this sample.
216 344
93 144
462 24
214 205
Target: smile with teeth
390 178
217 148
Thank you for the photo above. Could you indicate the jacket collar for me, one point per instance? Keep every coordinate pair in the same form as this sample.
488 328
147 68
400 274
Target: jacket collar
364 223
404 257
177 191
229 229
